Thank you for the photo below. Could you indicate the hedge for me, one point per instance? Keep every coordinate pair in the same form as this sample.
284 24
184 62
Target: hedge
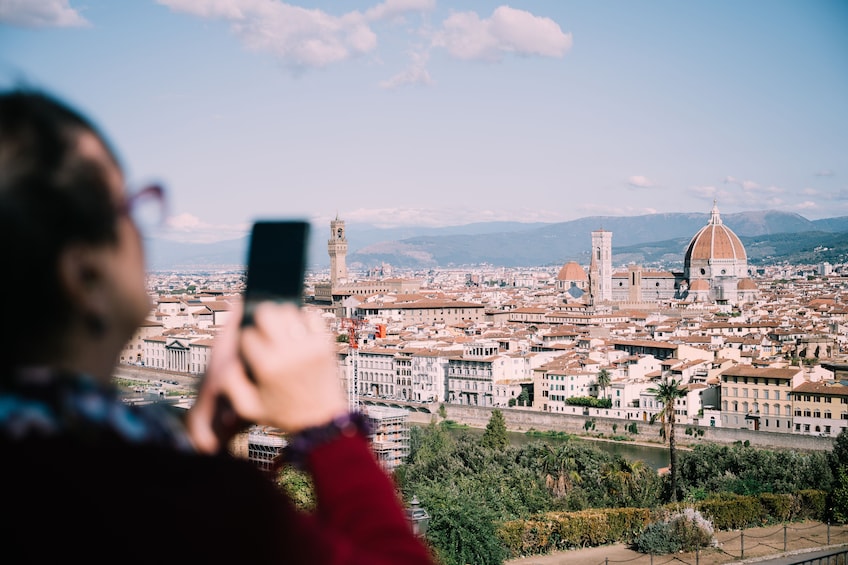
554 531
733 511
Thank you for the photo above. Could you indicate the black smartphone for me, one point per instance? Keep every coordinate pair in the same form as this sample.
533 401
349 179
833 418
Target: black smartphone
276 264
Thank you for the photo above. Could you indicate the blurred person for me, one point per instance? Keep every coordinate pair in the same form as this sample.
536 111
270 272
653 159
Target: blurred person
86 476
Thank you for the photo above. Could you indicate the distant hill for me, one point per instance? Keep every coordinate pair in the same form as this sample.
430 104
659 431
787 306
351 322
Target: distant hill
652 239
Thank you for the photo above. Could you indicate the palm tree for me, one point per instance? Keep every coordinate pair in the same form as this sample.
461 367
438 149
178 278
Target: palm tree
559 468
666 392
603 379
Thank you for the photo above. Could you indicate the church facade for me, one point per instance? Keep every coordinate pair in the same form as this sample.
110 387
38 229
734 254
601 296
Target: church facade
715 272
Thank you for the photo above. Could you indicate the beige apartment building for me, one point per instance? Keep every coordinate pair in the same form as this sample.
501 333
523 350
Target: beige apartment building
133 351
820 408
427 312
759 398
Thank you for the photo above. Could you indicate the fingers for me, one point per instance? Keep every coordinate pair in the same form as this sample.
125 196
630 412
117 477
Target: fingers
279 371
213 420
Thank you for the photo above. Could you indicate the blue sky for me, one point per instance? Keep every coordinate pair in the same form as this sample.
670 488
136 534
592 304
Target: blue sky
427 112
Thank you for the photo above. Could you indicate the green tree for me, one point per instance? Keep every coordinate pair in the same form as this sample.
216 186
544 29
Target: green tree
667 392
299 487
603 380
838 456
463 531
839 497
495 435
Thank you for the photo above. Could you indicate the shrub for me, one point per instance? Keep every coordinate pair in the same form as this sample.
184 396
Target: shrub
554 531
589 401
687 530
778 507
812 504
733 511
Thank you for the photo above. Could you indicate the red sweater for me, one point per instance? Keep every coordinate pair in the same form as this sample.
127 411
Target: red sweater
64 501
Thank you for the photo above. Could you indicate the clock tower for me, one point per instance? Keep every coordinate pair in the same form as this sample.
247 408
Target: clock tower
337 248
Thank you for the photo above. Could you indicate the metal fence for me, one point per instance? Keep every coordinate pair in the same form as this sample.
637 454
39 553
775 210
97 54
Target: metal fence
788 544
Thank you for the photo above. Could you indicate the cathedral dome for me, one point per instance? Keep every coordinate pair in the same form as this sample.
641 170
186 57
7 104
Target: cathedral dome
715 241
572 271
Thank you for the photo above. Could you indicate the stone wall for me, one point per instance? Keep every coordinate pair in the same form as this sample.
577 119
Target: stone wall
520 420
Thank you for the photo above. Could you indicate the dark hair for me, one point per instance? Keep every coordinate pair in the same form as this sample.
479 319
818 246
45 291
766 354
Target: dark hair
50 197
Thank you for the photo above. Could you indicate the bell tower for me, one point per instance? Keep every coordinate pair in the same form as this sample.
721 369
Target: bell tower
602 261
337 248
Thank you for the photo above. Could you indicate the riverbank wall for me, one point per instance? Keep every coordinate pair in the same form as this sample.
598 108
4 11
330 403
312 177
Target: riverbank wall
522 420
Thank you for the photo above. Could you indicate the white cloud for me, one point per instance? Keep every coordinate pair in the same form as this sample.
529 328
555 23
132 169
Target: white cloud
806 205
394 9
415 73
466 36
640 181
189 228
743 184
594 209
297 36
706 192
40 13
824 173
427 217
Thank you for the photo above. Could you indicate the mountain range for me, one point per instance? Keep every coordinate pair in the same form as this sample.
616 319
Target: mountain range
652 240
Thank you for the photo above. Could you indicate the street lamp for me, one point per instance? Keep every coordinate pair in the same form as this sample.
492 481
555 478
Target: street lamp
418 517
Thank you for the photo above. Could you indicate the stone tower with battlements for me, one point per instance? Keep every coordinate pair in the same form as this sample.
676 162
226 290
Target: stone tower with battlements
337 248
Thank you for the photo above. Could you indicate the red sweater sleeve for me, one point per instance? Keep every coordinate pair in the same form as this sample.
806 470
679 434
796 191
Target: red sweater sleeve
359 518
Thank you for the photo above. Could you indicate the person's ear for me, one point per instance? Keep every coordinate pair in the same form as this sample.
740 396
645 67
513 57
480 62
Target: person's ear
82 277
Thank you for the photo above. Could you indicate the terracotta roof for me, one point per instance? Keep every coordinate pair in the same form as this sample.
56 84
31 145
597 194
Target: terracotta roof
822 387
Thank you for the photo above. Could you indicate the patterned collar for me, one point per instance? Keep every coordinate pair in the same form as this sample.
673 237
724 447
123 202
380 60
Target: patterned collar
43 403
